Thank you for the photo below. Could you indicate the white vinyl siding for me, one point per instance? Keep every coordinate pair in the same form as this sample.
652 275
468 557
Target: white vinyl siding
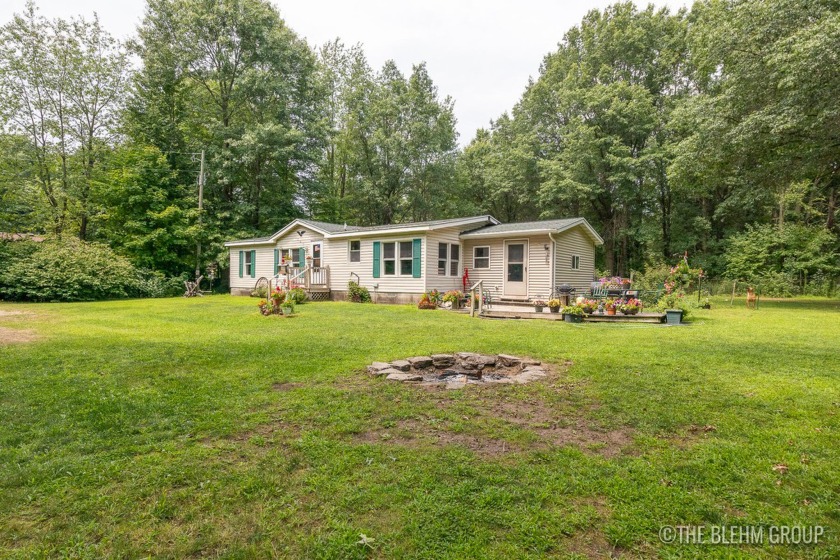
264 264
539 264
448 281
335 255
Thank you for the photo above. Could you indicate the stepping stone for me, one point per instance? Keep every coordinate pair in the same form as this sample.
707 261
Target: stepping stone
402 376
420 362
376 368
402 365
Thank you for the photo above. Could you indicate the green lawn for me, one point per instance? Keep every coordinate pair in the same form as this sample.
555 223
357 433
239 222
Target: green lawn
173 428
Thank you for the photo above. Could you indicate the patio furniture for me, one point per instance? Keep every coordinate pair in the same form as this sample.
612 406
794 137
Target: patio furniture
599 293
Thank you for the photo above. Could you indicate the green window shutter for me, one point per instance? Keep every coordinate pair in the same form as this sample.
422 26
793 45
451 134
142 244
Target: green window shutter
302 258
276 261
253 264
241 262
415 253
376 253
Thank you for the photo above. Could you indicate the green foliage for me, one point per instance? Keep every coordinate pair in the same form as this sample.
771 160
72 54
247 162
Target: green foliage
297 296
71 270
357 294
782 262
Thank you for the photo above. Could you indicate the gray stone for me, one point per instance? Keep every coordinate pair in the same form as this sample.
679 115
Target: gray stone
525 362
528 375
402 376
420 362
465 355
376 368
455 371
402 365
481 361
507 360
443 360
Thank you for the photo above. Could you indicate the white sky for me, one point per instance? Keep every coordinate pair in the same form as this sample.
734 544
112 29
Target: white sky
479 52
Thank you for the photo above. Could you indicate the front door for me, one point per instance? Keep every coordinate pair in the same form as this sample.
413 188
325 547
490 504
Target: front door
516 269
316 255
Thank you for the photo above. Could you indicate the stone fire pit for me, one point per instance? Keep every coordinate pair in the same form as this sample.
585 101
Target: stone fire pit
457 370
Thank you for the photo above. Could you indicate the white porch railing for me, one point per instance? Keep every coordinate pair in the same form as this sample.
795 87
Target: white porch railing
480 286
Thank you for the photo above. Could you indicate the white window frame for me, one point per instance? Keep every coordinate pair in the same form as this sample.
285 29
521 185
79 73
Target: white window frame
475 266
350 251
449 261
575 262
453 261
248 264
444 260
397 259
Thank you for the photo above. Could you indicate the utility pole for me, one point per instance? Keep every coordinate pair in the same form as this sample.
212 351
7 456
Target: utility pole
200 206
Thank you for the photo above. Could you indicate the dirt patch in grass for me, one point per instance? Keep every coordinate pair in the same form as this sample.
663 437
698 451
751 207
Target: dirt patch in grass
508 420
283 387
4 313
17 336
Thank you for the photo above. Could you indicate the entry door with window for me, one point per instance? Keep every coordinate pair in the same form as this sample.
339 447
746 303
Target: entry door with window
316 255
516 269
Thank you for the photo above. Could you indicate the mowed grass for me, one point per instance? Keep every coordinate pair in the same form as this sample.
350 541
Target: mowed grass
198 428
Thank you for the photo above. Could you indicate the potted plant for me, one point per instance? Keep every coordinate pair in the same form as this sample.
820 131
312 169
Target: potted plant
589 305
631 307
554 305
288 307
453 297
610 305
539 305
426 303
573 314
673 316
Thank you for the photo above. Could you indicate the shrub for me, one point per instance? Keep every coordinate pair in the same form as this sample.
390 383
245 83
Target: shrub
297 296
426 303
71 270
357 294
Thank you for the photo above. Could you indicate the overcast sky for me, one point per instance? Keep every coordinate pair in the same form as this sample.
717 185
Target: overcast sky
479 52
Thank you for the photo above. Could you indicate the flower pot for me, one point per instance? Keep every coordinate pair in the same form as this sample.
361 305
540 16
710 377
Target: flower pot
554 309
610 311
538 309
673 316
286 310
569 318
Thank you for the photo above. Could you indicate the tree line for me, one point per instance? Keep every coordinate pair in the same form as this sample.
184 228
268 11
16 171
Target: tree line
712 130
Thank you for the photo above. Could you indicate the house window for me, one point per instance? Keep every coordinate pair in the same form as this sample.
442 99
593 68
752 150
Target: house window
406 258
355 251
454 259
389 256
575 262
248 264
481 257
443 253
291 256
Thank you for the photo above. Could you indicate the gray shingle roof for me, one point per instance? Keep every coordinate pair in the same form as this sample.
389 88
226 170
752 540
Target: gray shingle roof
341 228
548 225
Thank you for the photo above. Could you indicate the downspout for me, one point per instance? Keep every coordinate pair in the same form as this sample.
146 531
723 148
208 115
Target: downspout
553 263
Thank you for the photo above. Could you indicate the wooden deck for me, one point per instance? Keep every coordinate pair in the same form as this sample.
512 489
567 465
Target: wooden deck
526 314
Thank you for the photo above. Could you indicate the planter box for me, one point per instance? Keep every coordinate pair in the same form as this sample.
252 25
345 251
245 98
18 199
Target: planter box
573 318
673 316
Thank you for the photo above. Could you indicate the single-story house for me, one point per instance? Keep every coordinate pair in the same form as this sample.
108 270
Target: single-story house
398 263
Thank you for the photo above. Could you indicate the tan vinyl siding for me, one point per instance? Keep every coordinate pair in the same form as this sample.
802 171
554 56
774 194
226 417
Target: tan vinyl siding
336 254
539 268
569 243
